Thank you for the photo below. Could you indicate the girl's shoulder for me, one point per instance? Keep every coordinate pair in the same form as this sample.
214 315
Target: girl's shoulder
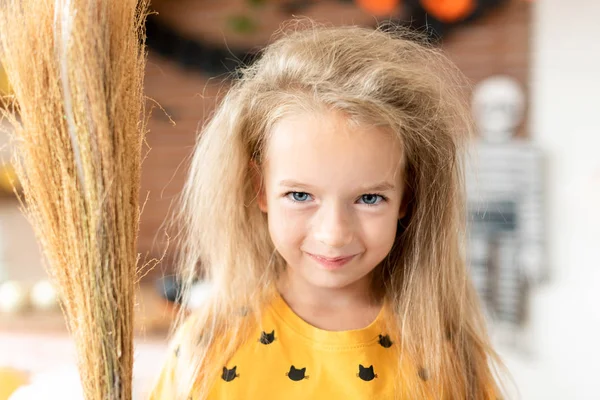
197 328
185 335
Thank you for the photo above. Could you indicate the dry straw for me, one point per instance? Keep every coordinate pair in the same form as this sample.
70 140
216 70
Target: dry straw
76 67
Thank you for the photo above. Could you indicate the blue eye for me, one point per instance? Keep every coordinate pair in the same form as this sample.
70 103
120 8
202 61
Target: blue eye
371 199
300 197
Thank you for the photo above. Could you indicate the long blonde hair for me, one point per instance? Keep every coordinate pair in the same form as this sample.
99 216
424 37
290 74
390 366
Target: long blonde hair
391 79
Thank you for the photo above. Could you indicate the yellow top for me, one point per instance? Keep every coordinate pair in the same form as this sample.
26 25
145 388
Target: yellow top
287 358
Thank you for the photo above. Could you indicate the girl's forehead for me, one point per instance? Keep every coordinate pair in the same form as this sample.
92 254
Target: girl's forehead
328 147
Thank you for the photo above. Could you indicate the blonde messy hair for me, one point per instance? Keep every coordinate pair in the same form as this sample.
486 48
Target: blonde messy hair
388 79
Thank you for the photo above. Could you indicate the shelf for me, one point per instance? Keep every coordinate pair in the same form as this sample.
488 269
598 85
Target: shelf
152 319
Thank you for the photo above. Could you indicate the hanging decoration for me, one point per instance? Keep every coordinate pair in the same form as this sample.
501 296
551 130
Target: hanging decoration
379 8
432 17
437 18
192 53
449 11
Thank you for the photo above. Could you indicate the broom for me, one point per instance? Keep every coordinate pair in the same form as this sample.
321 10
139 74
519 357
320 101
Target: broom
76 68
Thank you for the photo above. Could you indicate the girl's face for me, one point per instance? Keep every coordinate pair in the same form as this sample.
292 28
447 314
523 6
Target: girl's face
333 196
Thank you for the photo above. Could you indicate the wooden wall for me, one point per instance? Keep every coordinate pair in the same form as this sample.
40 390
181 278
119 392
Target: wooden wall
499 43
496 44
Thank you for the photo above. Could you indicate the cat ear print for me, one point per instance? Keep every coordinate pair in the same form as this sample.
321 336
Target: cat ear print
243 311
424 374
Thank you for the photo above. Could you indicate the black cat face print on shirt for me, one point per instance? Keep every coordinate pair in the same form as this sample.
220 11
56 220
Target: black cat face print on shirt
229 374
366 374
296 374
267 338
385 341
283 357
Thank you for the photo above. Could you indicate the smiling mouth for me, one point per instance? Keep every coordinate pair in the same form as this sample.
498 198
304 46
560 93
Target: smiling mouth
331 263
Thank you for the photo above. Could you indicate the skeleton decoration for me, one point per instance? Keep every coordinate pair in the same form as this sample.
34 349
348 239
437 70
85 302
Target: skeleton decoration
505 203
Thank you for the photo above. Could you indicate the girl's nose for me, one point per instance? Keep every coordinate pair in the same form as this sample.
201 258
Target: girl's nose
334 227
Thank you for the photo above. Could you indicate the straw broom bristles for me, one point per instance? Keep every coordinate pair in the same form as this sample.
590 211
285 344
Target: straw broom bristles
76 67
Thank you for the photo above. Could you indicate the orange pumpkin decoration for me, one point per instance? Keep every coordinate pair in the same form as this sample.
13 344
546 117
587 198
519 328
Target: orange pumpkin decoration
379 8
449 11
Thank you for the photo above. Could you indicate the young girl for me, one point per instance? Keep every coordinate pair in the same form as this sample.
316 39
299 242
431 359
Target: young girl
325 204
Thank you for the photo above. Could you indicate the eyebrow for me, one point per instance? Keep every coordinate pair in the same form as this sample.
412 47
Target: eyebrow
380 187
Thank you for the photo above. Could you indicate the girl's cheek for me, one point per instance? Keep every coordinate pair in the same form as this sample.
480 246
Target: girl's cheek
286 208
292 224
285 216
379 228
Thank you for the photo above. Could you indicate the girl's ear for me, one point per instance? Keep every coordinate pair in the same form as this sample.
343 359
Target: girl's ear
258 185
406 199
403 208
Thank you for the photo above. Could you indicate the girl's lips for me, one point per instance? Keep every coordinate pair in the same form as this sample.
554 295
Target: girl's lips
331 263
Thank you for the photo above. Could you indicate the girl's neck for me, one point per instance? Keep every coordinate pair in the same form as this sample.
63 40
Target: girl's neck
351 307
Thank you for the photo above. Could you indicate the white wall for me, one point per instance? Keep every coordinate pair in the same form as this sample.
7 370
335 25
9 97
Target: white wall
565 122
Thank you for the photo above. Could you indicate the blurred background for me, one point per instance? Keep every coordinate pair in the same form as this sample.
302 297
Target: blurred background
533 179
